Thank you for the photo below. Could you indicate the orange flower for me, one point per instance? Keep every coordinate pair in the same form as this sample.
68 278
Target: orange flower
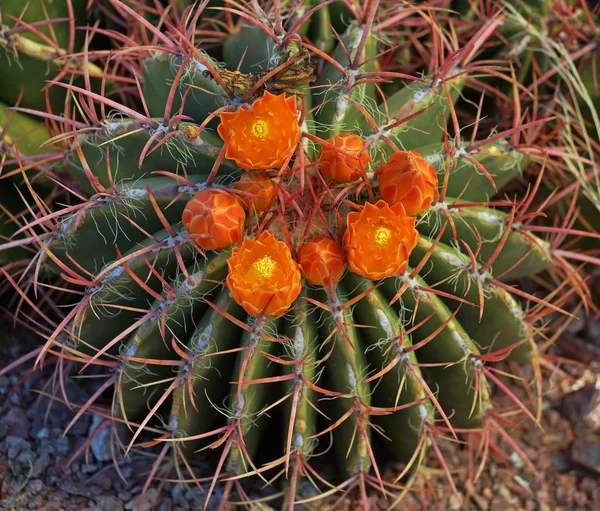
218 215
322 261
409 179
379 239
263 278
345 164
264 136
260 186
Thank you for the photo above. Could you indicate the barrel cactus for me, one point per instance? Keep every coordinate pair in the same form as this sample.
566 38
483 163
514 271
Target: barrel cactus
280 241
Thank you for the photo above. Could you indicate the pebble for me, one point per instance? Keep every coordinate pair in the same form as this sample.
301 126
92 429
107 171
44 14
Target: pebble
26 458
15 445
124 495
104 481
42 433
101 442
109 503
62 445
89 468
74 488
3 430
35 486
18 422
40 465
560 461
586 454
144 503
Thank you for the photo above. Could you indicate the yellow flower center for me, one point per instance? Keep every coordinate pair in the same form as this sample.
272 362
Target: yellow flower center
263 267
260 129
382 236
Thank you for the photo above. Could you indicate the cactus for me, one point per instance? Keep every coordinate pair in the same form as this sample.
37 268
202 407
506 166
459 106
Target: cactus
272 250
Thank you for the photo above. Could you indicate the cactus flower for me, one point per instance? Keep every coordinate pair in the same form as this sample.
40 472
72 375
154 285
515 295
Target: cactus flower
322 261
263 277
408 178
260 186
345 164
216 214
379 239
263 136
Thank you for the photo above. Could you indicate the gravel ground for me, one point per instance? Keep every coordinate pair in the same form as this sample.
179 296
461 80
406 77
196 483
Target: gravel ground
34 453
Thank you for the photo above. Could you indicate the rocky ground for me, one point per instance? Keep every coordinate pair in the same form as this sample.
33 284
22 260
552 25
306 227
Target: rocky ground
37 472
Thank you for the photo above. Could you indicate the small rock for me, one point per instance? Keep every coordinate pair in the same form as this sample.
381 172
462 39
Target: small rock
40 465
586 454
104 481
15 445
18 422
166 505
124 495
62 445
37 502
26 457
576 405
89 468
35 486
3 430
580 499
80 428
593 332
59 496
101 442
42 433
96 490
127 472
74 488
560 461
588 485
109 503
144 503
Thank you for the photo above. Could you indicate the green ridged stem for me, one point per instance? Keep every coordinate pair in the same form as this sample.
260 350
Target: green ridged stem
302 331
147 342
125 140
467 181
424 128
347 368
250 50
521 254
383 328
214 333
90 235
451 347
24 132
99 320
204 95
502 323
253 397
37 10
336 114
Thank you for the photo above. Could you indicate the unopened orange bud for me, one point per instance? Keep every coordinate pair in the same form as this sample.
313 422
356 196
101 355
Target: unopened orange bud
260 186
322 260
218 215
345 163
408 178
